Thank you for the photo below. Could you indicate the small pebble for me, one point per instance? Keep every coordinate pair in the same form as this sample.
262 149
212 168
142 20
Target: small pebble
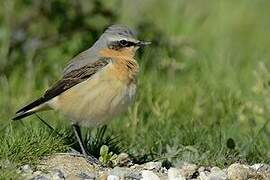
87 175
237 172
153 166
163 170
26 169
187 170
120 171
149 175
175 174
133 176
261 167
215 169
36 173
103 176
201 169
57 174
123 160
41 177
217 174
203 176
113 177
136 166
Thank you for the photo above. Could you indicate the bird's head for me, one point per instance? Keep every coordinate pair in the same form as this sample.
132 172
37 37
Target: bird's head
120 38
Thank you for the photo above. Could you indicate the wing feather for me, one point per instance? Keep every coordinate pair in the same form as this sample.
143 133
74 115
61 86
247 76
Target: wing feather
68 81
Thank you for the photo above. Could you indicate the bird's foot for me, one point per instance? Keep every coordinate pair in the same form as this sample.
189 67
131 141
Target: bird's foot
92 160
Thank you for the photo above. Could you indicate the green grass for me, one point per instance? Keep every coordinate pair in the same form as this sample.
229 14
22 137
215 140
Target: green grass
204 80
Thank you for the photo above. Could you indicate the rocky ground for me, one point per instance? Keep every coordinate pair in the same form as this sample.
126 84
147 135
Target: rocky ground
64 166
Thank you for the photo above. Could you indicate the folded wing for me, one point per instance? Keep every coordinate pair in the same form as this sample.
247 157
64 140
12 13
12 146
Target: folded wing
68 81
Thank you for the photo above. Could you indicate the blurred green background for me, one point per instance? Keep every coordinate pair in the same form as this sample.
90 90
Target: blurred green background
204 85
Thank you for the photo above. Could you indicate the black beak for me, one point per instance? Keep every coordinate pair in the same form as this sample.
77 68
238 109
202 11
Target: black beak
143 43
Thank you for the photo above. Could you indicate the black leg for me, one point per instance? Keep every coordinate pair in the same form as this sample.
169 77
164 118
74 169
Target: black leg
78 135
48 125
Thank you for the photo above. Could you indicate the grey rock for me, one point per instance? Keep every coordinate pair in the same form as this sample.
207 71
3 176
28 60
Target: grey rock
149 175
113 177
133 176
37 173
187 170
41 177
217 174
153 166
175 174
163 170
260 171
201 169
136 166
214 169
126 173
26 169
57 174
123 159
203 176
238 172
87 175
261 167
119 171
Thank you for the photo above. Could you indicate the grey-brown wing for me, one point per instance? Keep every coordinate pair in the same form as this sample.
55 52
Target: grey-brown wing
81 60
74 77
68 80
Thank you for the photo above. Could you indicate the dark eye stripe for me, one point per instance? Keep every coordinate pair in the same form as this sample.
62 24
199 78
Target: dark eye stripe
124 43
118 44
129 43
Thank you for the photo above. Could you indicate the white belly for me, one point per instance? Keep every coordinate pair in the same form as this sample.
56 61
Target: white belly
94 102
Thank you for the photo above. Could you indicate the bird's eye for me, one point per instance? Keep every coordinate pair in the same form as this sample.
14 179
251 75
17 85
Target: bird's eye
123 43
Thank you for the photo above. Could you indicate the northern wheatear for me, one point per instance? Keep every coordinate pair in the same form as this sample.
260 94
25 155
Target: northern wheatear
97 84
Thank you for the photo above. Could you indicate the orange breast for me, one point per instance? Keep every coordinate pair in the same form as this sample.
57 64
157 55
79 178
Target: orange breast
124 66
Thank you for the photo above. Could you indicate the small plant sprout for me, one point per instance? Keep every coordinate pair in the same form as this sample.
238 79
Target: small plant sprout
107 158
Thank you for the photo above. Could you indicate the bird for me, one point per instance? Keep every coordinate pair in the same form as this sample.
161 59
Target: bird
96 85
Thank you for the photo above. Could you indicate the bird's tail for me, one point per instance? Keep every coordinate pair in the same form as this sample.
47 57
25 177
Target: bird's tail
22 115
36 106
